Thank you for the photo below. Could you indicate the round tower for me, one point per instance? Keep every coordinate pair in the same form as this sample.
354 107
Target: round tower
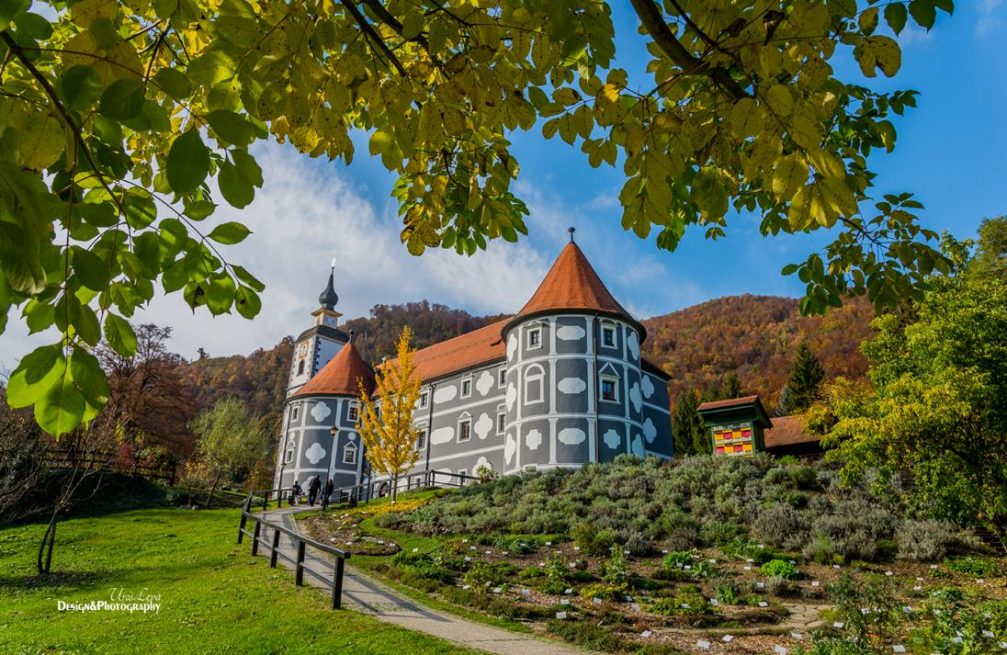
573 377
314 347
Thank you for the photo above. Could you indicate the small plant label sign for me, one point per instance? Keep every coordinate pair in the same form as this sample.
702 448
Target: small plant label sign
779 650
898 648
728 639
705 645
646 633
560 615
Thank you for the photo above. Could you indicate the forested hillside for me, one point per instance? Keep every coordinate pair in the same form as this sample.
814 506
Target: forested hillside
755 337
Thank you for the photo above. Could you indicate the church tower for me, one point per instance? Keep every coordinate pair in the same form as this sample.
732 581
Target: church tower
317 345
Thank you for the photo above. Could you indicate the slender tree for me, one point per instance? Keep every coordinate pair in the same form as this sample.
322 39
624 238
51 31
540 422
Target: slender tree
803 388
386 420
690 433
230 441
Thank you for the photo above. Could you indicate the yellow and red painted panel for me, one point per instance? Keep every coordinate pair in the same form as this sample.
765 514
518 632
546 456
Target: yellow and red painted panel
733 440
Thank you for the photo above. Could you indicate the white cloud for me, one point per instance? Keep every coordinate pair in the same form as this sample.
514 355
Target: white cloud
307 213
990 15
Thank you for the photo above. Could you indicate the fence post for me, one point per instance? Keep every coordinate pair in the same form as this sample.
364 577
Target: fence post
265 501
241 528
299 575
337 584
276 546
255 538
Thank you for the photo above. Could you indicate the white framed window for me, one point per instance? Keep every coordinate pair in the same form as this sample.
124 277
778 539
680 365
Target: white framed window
424 399
534 338
464 428
608 335
534 380
609 386
502 378
501 421
466 387
350 454
288 456
421 439
295 412
353 413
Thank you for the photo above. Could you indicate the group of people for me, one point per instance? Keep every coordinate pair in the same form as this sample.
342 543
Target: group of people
314 486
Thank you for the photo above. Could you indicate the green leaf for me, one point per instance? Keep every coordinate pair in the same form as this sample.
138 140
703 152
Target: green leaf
140 209
120 336
90 269
188 163
242 274
35 373
80 87
123 99
237 191
220 294
412 24
247 302
9 9
923 12
896 15
33 25
229 233
173 82
231 128
89 376
61 408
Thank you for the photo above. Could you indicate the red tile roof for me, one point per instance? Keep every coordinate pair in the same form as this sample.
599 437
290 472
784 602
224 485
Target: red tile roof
339 377
572 283
473 348
732 402
787 431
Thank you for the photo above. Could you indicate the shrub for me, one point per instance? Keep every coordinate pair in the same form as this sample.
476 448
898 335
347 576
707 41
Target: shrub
530 573
436 565
688 605
593 541
481 576
725 590
781 569
781 526
615 571
611 592
517 545
931 541
746 549
979 567
586 634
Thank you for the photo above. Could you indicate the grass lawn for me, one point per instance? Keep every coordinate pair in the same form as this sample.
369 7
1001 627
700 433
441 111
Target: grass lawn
214 596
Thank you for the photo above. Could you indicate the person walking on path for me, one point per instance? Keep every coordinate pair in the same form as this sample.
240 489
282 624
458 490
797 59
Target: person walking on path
326 492
295 492
313 488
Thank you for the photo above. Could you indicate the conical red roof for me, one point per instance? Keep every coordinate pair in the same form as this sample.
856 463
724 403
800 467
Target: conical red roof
339 377
573 284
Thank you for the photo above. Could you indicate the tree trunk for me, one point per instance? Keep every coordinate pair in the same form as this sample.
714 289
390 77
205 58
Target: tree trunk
395 487
46 545
209 496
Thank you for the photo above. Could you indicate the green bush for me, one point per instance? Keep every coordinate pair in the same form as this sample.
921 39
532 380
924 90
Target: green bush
593 541
931 541
615 571
978 567
781 569
687 605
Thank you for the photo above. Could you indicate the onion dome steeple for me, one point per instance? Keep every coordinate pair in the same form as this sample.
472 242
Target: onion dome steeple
329 298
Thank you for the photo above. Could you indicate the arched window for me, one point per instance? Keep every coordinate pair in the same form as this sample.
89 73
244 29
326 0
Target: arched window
300 367
533 384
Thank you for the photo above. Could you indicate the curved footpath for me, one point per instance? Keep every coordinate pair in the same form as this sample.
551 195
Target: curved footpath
364 594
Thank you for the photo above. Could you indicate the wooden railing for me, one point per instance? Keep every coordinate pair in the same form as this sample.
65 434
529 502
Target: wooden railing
302 543
59 458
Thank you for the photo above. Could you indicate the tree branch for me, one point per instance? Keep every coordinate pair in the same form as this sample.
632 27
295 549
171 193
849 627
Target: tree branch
375 38
653 21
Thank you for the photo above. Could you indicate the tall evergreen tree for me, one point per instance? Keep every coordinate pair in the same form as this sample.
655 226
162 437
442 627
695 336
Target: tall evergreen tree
732 386
689 431
806 377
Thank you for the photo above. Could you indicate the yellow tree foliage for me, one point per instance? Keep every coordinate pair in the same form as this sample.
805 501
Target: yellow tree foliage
386 419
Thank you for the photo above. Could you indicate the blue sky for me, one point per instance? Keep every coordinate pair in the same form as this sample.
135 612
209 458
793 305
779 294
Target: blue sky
951 151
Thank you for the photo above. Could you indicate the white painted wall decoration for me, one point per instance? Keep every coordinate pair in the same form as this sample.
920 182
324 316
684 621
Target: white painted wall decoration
634 344
320 412
572 436
634 397
511 396
649 430
483 426
352 436
442 435
445 394
485 382
612 439
637 446
571 385
570 333
533 439
648 387
315 453
482 462
511 346
509 448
